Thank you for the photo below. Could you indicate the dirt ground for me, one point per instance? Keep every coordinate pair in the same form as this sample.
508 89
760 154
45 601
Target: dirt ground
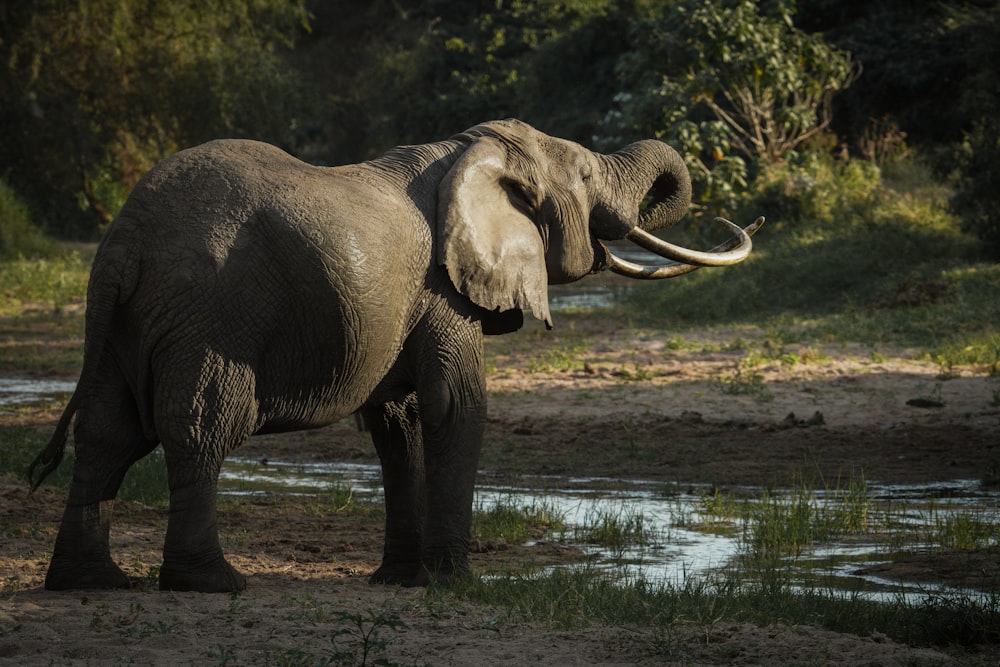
623 404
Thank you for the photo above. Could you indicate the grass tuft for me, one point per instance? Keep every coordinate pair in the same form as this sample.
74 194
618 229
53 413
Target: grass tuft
513 522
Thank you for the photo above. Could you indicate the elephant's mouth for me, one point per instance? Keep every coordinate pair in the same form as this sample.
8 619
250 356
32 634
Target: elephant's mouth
682 260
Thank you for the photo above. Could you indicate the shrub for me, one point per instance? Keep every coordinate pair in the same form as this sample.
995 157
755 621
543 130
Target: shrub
18 235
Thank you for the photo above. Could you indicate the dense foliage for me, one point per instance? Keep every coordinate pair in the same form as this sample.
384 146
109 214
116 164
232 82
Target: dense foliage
96 91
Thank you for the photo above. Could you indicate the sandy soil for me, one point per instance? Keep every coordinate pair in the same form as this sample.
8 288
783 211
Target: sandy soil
622 404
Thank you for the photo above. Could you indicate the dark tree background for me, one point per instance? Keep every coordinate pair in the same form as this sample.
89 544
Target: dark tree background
94 92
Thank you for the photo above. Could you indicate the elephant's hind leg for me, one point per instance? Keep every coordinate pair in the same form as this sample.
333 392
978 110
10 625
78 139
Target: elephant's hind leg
108 439
210 415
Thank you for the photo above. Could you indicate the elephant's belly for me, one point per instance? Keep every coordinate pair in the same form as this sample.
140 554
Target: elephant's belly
317 395
282 416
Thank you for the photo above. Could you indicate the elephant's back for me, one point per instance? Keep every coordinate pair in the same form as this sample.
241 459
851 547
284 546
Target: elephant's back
308 274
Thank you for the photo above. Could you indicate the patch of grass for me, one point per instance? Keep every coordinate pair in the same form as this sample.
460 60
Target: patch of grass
562 357
584 596
963 530
338 496
56 281
847 258
569 599
19 237
615 526
780 524
508 520
744 380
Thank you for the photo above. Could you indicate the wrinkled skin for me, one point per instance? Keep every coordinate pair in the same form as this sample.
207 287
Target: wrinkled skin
241 291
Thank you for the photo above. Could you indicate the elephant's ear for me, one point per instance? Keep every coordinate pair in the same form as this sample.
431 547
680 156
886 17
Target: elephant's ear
492 250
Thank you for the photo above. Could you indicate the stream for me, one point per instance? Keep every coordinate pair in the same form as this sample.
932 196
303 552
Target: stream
679 539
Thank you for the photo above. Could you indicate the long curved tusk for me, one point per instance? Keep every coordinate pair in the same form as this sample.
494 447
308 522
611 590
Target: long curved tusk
732 251
680 254
623 267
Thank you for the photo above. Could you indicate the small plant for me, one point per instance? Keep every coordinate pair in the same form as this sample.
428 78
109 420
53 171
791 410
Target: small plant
558 358
676 343
364 632
336 497
222 654
744 381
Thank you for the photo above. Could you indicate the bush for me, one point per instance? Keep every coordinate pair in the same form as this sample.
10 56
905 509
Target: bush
18 235
856 257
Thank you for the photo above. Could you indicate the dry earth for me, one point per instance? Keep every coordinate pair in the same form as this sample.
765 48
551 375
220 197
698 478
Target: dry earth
607 402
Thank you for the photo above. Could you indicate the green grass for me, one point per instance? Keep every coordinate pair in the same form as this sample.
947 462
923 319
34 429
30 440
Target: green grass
584 596
56 282
847 256
508 520
615 526
791 521
552 358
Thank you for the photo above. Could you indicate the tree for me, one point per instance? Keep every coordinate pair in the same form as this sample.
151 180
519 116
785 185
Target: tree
96 91
729 81
977 197
475 61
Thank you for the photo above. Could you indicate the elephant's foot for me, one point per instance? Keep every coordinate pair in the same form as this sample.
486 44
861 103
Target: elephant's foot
414 575
218 576
67 573
441 577
444 569
397 574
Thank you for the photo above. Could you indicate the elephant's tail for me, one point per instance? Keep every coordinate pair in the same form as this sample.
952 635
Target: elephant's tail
50 457
112 281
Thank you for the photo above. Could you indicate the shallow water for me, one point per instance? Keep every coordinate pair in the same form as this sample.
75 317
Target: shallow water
681 540
24 391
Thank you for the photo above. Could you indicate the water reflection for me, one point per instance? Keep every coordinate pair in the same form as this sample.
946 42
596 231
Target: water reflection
680 540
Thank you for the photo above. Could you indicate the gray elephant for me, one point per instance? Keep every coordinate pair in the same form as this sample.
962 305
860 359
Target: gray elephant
241 291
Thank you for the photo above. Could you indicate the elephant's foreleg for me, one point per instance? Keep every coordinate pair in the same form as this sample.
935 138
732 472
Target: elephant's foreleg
453 415
451 476
395 430
108 440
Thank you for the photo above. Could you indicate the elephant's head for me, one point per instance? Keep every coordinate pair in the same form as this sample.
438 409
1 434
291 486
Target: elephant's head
520 210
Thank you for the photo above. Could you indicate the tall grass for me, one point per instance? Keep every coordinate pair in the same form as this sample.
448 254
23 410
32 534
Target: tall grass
787 523
584 596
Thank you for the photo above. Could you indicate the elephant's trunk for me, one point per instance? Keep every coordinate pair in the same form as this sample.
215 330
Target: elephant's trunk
646 184
647 187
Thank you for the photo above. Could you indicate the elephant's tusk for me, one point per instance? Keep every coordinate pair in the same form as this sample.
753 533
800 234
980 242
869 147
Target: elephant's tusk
623 267
732 251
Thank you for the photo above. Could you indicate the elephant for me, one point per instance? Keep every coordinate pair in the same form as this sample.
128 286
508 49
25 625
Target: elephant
241 291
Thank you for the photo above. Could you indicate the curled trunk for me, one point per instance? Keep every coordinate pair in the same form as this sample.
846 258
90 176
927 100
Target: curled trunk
647 187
